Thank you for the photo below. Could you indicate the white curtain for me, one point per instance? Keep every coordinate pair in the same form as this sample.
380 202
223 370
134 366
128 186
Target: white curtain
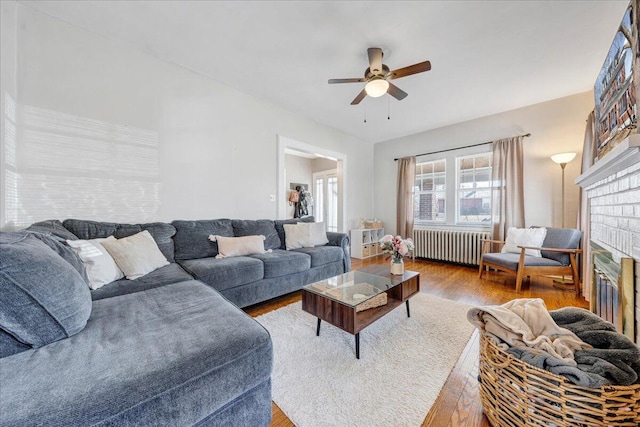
584 217
406 182
507 201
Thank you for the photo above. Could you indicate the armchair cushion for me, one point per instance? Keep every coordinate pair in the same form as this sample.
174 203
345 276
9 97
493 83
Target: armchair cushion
510 260
561 238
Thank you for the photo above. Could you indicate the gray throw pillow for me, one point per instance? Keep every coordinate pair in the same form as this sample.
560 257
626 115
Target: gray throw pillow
44 299
52 228
192 237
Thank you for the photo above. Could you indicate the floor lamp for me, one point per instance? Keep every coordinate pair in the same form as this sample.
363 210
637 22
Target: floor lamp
562 159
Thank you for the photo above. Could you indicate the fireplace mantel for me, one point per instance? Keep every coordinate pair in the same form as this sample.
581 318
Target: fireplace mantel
625 154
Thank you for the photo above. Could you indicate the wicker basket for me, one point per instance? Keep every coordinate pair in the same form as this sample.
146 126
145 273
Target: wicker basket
514 393
372 224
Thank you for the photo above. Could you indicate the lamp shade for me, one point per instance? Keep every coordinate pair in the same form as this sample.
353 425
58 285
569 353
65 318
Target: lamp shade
376 88
563 158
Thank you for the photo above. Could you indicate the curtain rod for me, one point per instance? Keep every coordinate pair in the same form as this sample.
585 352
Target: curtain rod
460 148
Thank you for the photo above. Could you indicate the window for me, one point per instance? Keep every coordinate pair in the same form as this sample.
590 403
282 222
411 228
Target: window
430 191
454 190
474 188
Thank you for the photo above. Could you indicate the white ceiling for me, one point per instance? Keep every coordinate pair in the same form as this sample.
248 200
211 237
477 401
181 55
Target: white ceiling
486 56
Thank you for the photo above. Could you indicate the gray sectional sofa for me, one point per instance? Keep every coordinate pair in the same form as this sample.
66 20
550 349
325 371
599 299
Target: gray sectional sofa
169 348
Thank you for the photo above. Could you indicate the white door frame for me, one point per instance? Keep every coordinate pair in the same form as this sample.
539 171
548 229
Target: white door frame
284 142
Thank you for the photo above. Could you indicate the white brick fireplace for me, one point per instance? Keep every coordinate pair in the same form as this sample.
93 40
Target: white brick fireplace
612 187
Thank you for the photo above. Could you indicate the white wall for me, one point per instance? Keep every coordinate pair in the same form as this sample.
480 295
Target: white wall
177 143
8 97
556 126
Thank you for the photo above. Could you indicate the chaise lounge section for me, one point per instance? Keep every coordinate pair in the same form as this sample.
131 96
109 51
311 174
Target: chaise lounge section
168 348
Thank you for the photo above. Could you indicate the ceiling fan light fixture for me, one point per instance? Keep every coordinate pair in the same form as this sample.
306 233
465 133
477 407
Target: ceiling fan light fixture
376 88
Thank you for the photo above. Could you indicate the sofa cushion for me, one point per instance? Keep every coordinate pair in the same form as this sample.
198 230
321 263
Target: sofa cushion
321 255
161 232
64 251
511 260
52 228
279 224
166 275
44 299
192 237
265 227
10 346
225 273
281 263
166 356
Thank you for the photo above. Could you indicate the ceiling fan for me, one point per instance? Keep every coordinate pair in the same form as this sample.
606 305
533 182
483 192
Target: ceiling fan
377 77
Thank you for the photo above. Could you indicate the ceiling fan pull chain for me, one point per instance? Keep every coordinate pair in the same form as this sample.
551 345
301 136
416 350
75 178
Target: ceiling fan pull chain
388 108
365 112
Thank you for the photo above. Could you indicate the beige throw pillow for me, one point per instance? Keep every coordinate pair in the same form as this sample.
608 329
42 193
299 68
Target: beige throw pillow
295 236
99 265
136 255
304 235
239 246
524 237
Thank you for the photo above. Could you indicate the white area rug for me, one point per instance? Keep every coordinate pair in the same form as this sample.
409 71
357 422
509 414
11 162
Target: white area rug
404 362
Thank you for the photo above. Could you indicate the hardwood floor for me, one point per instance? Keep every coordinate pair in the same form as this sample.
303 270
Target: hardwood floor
458 403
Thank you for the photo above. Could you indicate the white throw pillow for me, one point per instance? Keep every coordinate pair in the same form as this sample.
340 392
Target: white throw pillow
524 237
304 235
100 266
318 234
136 255
296 236
239 246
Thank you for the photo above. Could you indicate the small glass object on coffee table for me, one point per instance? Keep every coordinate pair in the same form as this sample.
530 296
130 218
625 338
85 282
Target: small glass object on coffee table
354 300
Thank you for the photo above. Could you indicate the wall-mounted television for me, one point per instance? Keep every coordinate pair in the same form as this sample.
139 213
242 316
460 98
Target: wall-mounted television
616 86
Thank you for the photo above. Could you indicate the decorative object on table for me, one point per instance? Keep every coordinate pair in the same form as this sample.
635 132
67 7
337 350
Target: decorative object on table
397 248
360 292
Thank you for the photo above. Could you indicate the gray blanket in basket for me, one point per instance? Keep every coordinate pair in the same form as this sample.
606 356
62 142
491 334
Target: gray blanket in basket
613 360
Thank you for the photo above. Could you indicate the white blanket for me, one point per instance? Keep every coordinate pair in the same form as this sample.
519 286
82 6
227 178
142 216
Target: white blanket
526 322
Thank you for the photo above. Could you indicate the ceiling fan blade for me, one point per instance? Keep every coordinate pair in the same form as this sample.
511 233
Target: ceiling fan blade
331 81
375 60
360 97
396 92
411 69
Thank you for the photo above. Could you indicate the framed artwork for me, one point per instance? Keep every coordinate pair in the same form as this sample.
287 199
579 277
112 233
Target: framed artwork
616 86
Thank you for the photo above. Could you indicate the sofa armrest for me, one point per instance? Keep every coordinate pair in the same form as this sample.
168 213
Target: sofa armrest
342 240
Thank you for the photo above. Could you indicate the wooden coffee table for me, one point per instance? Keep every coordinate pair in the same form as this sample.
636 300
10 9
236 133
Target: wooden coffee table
342 300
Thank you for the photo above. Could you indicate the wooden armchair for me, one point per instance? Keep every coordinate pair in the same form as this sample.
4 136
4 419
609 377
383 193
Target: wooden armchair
558 250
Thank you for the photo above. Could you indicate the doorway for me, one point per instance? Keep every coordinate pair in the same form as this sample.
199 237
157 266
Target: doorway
325 194
330 161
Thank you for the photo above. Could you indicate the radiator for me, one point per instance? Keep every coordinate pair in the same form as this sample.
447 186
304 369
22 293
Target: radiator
460 246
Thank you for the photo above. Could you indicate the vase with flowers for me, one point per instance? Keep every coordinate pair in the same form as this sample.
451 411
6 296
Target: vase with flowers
397 248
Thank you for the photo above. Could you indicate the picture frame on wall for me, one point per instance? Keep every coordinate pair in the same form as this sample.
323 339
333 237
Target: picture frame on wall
615 89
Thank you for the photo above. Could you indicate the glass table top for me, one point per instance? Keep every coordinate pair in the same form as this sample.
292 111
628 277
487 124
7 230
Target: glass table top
352 288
